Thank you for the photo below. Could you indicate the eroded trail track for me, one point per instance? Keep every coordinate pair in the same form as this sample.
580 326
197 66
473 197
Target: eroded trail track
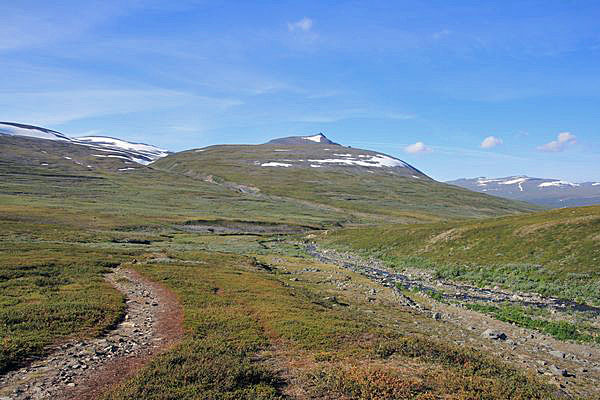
83 370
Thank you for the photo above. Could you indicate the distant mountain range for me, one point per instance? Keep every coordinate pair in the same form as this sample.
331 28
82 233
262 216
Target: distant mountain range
553 193
311 169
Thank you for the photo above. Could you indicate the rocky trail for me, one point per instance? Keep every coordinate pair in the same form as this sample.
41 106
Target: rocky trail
84 369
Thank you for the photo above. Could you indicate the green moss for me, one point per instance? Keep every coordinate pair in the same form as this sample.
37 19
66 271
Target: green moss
562 330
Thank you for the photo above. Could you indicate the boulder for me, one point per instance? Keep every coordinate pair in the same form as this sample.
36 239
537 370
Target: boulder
494 335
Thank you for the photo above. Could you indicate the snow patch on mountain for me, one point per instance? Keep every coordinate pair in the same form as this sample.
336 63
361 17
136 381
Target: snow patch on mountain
517 181
14 129
558 184
275 164
110 156
514 181
302 140
137 152
109 142
316 138
484 181
377 161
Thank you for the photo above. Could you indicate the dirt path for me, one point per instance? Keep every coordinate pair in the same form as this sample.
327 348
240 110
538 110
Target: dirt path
83 370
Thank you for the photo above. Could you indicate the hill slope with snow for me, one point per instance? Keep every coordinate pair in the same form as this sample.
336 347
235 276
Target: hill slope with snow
317 170
107 147
303 140
553 193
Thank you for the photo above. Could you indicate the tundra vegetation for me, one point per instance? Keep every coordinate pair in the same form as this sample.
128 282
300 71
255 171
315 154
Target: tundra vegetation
253 329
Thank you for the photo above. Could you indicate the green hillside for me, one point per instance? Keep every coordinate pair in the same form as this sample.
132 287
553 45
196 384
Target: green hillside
554 252
305 172
63 229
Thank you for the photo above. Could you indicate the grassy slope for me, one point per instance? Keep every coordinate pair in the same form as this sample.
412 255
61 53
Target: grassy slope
235 311
380 191
554 252
60 228
52 291
143 196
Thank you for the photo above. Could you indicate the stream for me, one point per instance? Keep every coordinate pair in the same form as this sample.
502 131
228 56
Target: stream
375 270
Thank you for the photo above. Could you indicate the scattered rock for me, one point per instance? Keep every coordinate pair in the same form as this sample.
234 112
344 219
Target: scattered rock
494 335
558 354
558 371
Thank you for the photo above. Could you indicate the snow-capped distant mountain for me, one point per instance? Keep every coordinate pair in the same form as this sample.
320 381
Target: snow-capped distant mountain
137 152
547 192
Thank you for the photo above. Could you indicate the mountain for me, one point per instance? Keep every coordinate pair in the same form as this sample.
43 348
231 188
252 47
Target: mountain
554 193
316 170
311 171
108 147
303 140
139 152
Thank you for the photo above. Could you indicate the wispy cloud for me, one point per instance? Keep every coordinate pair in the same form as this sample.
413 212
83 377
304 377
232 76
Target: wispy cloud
363 112
563 140
57 107
490 142
417 148
305 24
400 116
185 128
331 115
441 34
25 26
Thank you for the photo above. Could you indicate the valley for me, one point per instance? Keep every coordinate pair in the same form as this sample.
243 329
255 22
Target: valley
239 277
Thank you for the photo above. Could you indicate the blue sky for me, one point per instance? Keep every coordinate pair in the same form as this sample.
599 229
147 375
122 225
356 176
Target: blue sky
427 81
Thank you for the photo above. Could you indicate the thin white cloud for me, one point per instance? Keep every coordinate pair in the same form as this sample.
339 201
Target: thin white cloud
417 148
400 116
441 34
330 115
29 26
57 107
490 142
184 128
563 140
305 24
